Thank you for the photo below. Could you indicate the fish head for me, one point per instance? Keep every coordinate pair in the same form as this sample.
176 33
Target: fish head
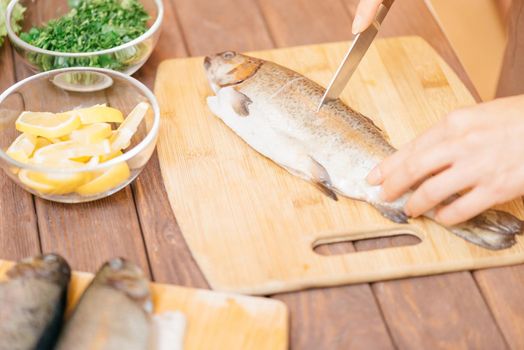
50 267
230 68
126 277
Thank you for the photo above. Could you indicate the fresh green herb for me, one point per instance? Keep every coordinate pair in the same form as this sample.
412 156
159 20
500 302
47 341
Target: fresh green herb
18 15
91 25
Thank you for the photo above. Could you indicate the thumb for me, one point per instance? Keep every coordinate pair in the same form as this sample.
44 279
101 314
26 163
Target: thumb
366 11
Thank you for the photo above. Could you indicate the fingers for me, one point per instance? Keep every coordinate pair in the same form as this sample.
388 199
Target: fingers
466 207
366 11
437 189
415 168
416 147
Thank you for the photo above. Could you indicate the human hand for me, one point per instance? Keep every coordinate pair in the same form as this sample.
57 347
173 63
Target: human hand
366 11
478 149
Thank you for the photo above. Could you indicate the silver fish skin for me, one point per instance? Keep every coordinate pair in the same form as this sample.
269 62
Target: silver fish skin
32 303
273 109
113 313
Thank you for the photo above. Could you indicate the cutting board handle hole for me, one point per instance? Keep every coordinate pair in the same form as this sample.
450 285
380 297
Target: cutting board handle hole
348 245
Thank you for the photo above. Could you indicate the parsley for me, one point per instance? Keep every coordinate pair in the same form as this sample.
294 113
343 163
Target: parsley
91 25
17 16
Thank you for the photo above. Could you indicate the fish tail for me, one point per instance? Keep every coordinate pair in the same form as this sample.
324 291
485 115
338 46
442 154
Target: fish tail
492 229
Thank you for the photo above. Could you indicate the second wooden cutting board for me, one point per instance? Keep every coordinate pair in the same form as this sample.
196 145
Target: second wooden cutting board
214 320
252 226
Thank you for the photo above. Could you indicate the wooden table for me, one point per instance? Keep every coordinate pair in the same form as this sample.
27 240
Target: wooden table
475 310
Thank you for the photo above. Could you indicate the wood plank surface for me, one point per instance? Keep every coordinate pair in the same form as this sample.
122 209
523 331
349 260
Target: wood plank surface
169 257
313 312
18 225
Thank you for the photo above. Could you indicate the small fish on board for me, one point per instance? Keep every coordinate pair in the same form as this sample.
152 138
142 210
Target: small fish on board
32 303
113 313
274 110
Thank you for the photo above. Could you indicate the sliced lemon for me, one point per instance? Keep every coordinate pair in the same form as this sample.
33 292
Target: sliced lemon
22 147
92 133
48 125
106 181
83 159
121 138
56 153
98 114
61 183
55 182
24 177
42 142
110 156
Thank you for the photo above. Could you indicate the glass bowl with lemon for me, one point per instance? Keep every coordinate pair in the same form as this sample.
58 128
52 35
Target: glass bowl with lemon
77 134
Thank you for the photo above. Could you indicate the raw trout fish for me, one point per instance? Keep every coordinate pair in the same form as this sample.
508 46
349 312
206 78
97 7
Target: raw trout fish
32 303
274 110
113 313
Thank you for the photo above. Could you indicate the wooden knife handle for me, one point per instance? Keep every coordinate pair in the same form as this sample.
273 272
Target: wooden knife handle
388 3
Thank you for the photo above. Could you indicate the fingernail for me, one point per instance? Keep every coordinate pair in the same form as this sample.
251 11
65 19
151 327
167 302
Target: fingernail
357 24
374 177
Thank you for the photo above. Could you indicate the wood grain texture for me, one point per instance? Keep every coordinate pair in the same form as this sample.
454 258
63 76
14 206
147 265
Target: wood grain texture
502 291
169 257
18 228
253 232
511 82
219 25
432 313
214 320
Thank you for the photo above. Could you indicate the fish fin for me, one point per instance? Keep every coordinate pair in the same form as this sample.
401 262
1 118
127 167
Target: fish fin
394 214
316 174
492 229
326 190
321 179
240 103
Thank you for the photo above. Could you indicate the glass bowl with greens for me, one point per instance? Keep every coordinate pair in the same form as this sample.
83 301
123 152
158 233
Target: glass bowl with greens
112 34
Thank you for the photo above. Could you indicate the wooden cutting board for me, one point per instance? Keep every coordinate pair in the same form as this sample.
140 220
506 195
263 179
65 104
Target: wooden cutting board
252 226
214 320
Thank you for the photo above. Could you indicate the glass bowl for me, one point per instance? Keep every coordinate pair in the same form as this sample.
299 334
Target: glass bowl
127 58
64 90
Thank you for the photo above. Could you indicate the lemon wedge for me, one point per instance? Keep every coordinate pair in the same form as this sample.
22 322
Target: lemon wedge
24 177
55 182
57 153
121 138
22 147
110 156
106 181
92 133
98 114
42 142
45 124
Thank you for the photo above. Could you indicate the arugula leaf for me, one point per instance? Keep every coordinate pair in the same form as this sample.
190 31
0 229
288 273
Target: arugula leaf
18 15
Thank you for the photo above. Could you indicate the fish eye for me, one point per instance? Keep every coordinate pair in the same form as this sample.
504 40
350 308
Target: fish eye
228 55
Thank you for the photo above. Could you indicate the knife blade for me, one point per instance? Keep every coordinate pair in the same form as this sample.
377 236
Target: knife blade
353 56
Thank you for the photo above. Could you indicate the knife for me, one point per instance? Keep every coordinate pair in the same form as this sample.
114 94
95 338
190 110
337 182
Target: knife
356 52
